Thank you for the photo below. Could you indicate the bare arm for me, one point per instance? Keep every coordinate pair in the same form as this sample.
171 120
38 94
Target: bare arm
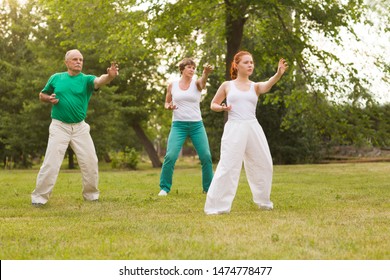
168 99
48 98
264 87
201 82
219 97
105 79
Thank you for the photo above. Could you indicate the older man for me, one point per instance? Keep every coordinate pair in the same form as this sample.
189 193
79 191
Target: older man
69 93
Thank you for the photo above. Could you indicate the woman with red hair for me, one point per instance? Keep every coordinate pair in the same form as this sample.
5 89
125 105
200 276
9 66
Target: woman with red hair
243 139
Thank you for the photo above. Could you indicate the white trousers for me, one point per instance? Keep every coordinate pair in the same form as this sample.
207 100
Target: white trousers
241 141
61 135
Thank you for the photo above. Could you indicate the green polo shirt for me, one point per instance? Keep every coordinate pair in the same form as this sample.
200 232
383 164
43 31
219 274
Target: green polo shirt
73 92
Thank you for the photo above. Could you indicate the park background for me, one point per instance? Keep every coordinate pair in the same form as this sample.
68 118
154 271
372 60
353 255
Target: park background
331 106
333 101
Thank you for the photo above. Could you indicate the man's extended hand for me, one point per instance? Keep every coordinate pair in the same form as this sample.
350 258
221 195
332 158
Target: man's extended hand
113 71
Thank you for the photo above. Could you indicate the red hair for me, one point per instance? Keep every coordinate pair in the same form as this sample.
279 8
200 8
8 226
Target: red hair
236 60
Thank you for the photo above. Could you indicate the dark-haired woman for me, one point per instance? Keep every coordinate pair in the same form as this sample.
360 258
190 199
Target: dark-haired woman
243 139
183 98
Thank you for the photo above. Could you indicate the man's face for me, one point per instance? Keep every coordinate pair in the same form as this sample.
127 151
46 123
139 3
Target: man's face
74 62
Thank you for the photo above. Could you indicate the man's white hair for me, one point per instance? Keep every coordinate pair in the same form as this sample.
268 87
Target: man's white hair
69 52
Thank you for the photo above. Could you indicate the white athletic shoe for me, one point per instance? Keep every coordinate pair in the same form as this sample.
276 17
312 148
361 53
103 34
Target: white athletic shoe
162 193
266 207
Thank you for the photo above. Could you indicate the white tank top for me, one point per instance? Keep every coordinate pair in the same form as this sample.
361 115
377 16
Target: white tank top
243 102
187 102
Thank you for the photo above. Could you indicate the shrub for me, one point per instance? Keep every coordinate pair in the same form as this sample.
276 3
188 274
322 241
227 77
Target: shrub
128 159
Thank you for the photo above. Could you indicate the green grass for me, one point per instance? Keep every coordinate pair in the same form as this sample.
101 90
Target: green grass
335 211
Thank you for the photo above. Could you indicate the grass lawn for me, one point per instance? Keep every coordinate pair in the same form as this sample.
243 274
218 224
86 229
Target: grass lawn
322 212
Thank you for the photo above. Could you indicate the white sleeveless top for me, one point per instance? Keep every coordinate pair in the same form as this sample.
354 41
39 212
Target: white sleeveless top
243 103
187 102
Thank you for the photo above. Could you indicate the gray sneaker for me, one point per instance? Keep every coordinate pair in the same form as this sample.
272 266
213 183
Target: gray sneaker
37 204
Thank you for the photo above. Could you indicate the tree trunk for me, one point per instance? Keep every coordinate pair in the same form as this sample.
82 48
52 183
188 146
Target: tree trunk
234 24
148 145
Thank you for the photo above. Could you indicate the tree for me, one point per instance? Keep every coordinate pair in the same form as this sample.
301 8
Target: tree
269 29
116 33
20 122
321 101
35 40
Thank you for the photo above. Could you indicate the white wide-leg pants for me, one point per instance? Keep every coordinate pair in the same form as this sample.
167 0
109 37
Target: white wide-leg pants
241 141
60 136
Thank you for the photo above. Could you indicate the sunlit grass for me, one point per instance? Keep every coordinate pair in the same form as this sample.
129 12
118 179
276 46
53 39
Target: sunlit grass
338 211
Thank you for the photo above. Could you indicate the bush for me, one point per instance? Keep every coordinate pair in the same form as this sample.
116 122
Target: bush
127 159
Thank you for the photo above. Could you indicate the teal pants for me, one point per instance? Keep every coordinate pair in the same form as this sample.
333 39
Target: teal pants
180 130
